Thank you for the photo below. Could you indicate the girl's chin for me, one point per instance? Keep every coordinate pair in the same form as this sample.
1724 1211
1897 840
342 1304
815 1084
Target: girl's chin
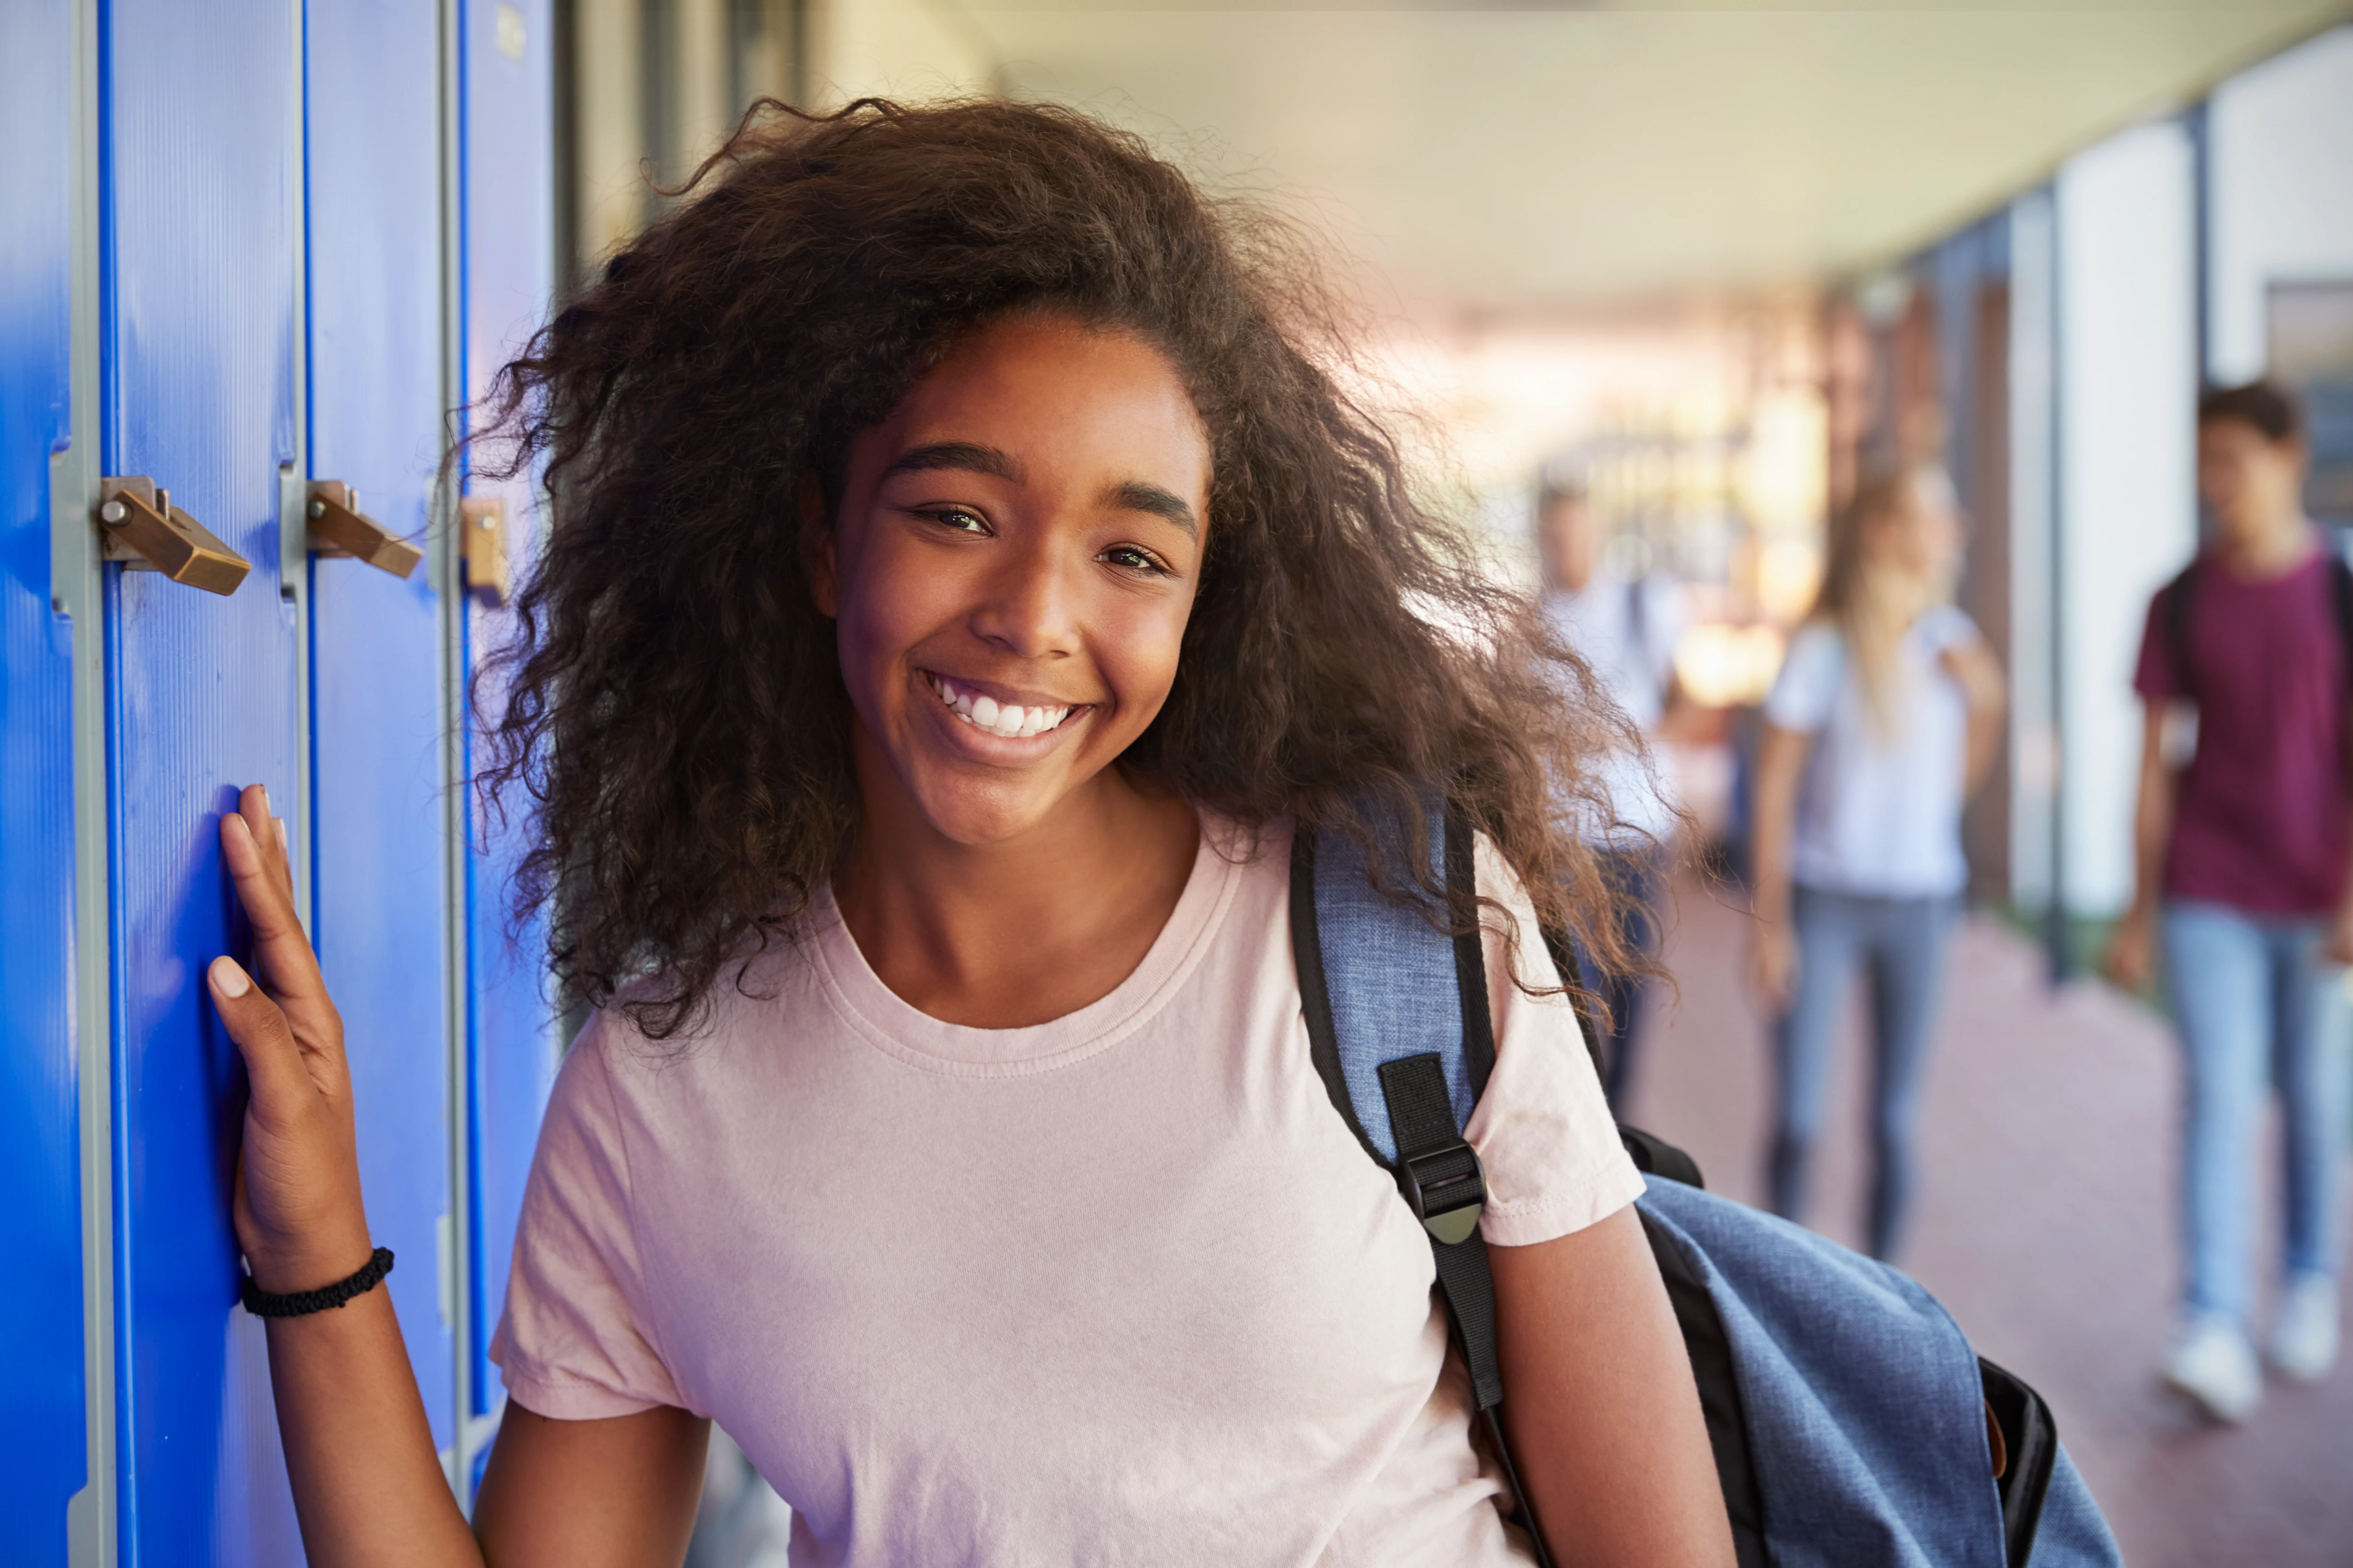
977 817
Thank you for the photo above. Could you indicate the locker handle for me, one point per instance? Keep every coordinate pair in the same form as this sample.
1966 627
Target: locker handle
146 532
483 525
338 527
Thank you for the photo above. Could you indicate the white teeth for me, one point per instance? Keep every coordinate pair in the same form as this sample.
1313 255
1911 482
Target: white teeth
1010 721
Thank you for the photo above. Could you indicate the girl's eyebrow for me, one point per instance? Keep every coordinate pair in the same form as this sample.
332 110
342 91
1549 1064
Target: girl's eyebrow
1137 495
965 456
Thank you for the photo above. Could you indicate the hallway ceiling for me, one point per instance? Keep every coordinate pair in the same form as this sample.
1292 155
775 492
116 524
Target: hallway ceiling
1529 158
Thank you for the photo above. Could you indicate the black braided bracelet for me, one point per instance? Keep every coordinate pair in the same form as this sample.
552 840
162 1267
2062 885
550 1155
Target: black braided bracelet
299 1303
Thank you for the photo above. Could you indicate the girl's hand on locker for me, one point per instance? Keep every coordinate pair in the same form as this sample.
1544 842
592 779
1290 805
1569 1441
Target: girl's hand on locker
297 1207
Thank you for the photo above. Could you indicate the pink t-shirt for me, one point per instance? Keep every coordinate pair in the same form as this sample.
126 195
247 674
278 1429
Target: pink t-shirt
1118 1288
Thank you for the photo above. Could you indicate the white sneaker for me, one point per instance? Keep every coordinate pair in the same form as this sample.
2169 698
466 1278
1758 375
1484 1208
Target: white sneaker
2303 1334
2215 1366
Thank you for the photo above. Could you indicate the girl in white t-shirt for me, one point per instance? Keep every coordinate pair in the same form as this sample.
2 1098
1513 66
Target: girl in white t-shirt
964 580
1883 717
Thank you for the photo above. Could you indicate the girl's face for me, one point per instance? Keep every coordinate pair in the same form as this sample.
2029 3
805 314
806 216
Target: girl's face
1921 539
1015 556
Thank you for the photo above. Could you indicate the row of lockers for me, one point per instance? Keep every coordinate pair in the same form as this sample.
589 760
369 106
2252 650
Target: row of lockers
253 254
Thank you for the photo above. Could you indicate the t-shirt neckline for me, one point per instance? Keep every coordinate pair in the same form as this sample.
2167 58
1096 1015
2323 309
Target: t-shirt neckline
899 1029
2218 570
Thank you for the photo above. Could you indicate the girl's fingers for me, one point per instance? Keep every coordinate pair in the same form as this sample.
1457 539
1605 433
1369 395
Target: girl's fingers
280 949
273 1060
269 832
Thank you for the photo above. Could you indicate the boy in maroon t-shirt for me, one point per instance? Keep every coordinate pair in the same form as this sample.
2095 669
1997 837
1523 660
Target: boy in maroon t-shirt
2243 858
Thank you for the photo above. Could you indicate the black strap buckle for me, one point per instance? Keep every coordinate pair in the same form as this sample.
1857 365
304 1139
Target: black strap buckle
1446 1189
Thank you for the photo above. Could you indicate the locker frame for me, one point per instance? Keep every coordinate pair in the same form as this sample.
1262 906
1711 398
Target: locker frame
457 1261
75 587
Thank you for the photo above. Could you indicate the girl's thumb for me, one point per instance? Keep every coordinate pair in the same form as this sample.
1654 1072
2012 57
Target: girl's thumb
273 1062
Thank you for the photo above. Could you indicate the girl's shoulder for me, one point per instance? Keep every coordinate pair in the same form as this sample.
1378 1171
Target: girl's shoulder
1817 640
1805 690
639 1026
1944 626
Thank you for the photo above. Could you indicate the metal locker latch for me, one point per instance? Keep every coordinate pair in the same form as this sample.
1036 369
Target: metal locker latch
483 524
146 532
338 527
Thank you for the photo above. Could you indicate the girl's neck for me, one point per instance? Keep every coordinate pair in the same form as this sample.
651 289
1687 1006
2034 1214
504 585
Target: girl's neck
1885 604
1021 931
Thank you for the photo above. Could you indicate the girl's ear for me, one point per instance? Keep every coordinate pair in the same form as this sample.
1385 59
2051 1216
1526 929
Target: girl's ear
817 546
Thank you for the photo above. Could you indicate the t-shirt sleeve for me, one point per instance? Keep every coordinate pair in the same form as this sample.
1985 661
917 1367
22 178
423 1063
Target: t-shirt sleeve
573 1342
1949 626
1806 691
2157 676
1543 1131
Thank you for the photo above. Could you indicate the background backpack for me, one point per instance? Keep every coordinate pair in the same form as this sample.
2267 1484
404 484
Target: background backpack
2173 602
1851 1421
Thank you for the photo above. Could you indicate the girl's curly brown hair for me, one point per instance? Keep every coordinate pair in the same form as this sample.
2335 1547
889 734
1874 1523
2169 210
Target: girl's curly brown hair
672 703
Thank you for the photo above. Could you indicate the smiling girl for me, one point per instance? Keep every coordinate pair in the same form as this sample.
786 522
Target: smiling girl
964 584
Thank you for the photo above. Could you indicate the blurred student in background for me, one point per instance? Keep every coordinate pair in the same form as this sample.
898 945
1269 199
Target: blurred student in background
1625 628
1884 716
2242 855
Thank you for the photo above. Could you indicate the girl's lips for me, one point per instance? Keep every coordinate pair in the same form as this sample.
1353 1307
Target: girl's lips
1007 717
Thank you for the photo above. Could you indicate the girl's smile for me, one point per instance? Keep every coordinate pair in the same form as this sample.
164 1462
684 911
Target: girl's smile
1001 713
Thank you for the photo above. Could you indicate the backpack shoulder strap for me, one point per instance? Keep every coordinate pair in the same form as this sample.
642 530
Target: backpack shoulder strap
2340 597
1378 986
2173 603
1398 1025
1397 1011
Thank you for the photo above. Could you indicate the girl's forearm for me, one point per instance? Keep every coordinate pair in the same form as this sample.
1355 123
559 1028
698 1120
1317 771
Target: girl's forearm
1768 879
1780 760
1983 742
368 1487
2152 815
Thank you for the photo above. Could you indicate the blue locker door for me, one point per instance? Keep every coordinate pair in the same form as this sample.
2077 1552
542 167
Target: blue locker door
199 132
508 170
379 903
41 1435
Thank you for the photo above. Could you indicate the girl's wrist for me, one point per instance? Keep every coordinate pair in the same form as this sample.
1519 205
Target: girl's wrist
311 1273
312 1263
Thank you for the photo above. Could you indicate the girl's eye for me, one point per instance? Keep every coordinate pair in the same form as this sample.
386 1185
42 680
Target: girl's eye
962 522
1135 558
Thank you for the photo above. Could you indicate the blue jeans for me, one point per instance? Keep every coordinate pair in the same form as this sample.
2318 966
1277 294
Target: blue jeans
2256 1008
1900 944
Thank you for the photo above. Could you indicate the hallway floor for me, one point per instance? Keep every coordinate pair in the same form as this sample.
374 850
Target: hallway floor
2044 1220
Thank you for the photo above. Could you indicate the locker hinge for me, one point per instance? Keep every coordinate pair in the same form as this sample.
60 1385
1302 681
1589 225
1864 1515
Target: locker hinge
338 527
483 522
142 528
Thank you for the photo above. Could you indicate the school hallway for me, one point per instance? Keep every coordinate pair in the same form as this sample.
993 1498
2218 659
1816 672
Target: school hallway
2043 1220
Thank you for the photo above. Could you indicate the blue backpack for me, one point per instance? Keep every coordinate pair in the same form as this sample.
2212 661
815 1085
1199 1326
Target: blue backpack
1850 1419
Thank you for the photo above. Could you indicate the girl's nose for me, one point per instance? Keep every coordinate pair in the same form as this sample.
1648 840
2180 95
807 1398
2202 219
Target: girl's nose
1030 610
